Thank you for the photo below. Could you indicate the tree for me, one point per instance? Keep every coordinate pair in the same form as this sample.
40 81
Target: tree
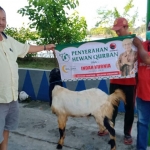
23 35
106 18
141 30
51 20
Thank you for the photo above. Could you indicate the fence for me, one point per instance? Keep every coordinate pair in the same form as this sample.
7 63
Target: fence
36 83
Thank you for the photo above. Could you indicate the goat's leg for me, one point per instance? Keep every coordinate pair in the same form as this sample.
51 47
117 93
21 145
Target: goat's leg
110 127
62 124
99 121
102 128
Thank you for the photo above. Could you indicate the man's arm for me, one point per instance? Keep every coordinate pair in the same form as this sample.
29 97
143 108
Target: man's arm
142 52
34 49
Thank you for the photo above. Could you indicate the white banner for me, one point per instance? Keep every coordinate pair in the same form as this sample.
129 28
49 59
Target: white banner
100 59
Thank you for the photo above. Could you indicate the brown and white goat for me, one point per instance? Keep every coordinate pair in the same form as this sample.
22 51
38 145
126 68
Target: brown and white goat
93 102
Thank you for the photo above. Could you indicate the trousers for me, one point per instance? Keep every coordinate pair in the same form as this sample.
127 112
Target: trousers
143 112
129 91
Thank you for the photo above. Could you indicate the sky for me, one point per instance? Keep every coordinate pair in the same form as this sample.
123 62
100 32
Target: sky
87 8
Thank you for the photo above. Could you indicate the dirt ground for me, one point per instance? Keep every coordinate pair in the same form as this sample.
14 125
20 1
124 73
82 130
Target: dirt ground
38 130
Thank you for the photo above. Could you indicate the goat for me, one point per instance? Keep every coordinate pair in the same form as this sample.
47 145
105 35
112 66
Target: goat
92 101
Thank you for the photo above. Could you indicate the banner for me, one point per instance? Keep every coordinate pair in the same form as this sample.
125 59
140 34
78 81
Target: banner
99 59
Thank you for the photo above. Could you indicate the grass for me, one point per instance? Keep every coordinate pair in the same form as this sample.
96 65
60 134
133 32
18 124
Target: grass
37 63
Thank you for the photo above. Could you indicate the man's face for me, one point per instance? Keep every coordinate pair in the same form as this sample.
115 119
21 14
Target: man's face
2 20
122 31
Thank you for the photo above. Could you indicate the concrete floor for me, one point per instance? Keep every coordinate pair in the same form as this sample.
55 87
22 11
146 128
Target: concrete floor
38 130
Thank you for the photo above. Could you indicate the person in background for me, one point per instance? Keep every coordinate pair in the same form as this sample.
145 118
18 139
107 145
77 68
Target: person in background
10 50
128 85
143 94
148 35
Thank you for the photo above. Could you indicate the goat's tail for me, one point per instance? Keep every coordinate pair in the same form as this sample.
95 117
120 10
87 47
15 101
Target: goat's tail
117 96
121 95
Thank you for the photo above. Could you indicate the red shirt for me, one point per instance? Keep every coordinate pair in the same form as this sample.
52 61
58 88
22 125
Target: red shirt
124 81
143 86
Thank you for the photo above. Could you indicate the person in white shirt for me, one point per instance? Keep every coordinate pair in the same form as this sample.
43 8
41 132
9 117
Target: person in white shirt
10 50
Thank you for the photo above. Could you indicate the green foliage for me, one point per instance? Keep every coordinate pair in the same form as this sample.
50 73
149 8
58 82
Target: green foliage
22 35
51 20
141 30
37 62
106 19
